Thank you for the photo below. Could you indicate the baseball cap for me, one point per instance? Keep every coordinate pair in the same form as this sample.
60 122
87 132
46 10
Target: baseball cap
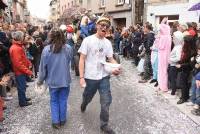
105 19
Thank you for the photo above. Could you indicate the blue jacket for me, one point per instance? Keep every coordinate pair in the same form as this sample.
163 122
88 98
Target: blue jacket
84 31
55 67
197 77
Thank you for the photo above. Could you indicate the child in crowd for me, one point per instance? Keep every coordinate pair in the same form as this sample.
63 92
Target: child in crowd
141 54
154 61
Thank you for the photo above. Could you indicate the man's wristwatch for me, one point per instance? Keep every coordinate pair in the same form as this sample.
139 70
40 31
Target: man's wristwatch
81 77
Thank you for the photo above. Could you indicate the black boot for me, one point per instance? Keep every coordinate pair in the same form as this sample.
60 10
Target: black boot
153 80
107 130
156 84
83 107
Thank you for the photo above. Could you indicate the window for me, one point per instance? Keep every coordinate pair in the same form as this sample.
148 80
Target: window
102 3
120 1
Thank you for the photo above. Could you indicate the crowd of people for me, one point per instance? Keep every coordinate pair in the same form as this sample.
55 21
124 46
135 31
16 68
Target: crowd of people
168 57
21 46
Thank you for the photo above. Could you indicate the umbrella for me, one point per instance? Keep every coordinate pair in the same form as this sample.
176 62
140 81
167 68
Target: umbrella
195 7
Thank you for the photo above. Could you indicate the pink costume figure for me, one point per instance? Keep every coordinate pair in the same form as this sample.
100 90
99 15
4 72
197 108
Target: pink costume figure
164 49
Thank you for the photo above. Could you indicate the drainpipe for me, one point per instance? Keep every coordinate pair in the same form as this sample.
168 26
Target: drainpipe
145 11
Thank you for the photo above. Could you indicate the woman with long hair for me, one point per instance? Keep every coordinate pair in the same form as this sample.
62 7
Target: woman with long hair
184 67
55 71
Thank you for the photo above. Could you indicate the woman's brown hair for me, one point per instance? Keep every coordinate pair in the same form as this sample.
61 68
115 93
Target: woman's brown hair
57 40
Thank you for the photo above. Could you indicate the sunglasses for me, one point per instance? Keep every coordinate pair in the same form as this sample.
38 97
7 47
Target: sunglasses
104 25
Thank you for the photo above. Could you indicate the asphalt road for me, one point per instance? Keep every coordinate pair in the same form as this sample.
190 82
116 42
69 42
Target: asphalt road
135 109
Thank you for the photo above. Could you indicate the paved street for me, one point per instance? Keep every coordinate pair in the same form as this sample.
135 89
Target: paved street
136 109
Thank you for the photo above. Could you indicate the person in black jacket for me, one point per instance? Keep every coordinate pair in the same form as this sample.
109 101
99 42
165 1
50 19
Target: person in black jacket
136 41
147 42
185 68
195 62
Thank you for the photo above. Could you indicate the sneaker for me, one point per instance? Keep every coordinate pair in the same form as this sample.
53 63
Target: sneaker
196 106
190 104
153 80
56 125
196 112
28 99
8 98
83 107
27 104
181 101
156 84
107 130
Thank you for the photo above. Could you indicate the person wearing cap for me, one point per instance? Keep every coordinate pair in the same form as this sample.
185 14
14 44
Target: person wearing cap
93 51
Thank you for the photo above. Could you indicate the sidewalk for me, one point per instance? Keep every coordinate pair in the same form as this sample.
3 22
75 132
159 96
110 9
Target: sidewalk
173 101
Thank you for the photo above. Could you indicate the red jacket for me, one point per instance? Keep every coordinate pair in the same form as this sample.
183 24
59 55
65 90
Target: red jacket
20 63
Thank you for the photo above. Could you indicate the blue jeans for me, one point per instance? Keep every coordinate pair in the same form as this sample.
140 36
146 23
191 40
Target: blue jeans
195 98
155 68
103 86
58 102
21 88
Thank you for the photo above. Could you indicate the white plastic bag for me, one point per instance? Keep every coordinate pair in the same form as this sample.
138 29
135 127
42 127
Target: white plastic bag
110 67
40 89
140 66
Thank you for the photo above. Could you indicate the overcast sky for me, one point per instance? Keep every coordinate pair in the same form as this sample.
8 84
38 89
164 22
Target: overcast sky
39 8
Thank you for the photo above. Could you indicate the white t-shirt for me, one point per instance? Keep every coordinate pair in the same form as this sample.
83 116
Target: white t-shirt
96 51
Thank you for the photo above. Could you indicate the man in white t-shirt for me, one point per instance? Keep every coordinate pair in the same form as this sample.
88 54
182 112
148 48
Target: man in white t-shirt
93 51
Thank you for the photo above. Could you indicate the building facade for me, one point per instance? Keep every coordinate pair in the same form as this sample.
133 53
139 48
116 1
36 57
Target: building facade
119 10
65 4
175 10
54 10
16 11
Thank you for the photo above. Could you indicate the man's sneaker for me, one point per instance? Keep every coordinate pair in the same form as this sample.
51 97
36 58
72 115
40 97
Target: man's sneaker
8 98
153 80
27 104
196 106
83 107
28 99
107 130
196 112
190 104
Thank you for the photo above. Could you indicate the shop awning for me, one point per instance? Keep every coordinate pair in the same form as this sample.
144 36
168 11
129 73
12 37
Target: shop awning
195 7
